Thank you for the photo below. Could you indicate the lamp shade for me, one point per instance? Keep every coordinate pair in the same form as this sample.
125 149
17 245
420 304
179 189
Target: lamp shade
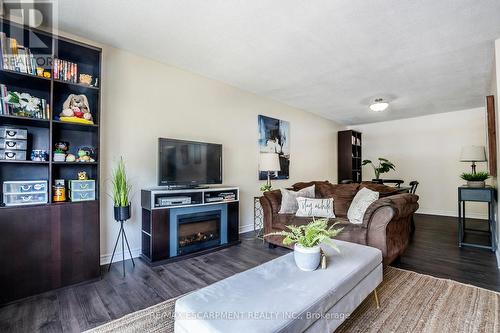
473 154
269 162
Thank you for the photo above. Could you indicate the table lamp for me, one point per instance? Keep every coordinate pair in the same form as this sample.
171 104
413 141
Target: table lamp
269 162
473 154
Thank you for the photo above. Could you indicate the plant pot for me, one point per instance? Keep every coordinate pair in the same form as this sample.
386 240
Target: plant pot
307 258
122 213
471 183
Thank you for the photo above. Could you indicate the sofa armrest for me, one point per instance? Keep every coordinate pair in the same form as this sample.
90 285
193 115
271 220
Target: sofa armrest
270 208
389 224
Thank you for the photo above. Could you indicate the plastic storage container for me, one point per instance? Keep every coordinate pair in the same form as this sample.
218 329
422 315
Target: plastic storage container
13 155
81 185
13 144
7 132
82 195
28 186
21 199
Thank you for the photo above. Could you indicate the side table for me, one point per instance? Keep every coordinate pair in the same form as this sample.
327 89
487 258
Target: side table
480 194
258 218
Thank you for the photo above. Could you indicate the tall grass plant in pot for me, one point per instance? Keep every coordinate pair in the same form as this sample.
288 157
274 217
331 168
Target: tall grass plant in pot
121 192
121 199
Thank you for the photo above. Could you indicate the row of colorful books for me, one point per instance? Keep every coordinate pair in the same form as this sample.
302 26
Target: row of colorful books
9 110
16 57
65 71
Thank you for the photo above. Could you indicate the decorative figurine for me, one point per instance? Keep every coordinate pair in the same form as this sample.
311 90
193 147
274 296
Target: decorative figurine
76 109
85 154
82 175
61 147
39 71
39 155
70 158
46 74
86 79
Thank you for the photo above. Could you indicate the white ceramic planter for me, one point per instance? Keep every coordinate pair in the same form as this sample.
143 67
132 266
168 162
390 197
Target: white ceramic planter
307 258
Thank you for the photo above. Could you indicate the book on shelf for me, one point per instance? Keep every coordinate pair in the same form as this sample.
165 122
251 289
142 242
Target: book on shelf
65 71
16 57
7 109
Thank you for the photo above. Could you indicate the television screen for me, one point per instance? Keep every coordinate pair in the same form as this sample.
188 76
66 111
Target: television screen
189 163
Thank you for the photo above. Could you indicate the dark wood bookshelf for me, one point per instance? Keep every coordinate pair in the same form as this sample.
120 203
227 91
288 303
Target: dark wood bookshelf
23 162
60 246
79 85
349 156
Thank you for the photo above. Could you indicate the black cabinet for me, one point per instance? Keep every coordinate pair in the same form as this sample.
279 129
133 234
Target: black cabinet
47 247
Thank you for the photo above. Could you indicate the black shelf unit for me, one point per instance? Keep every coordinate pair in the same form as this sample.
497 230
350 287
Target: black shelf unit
64 234
349 156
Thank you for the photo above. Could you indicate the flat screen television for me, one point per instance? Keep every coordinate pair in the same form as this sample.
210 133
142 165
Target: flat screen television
189 163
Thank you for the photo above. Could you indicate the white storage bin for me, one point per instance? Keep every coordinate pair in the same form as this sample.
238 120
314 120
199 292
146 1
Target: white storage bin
8 132
22 199
25 186
13 155
82 195
13 144
81 185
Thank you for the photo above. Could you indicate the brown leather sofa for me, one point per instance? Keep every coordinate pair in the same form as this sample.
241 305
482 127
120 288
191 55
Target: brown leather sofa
386 223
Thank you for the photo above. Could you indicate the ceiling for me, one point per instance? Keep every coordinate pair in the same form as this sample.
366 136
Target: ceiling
328 57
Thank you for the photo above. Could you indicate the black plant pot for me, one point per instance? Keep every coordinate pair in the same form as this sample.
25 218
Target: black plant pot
122 213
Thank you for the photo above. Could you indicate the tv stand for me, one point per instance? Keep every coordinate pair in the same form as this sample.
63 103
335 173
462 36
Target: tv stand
180 223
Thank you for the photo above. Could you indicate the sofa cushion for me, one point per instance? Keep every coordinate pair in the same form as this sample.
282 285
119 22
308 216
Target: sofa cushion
355 233
351 232
383 190
309 207
363 199
289 199
318 186
342 195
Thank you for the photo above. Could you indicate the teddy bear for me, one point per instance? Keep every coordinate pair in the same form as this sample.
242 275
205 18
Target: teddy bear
77 106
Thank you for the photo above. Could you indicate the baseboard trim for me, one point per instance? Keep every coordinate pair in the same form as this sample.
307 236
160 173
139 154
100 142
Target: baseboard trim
106 258
451 213
246 228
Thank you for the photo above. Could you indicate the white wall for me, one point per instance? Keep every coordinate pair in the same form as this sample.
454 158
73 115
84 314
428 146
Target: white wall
495 86
144 100
427 149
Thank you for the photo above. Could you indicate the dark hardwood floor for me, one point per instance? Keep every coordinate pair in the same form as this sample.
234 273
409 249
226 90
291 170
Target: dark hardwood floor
433 251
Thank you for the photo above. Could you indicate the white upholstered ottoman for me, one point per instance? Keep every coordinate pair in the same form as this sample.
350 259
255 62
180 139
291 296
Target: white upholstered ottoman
278 297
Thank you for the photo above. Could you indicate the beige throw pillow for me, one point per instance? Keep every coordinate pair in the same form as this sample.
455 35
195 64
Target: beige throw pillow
289 199
362 200
315 208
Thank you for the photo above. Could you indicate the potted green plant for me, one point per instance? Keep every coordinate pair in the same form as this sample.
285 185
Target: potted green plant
266 188
307 239
121 192
475 179
384 165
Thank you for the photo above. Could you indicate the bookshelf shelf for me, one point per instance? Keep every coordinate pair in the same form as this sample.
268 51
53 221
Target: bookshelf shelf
76 163
31 76
75 126
78 85
24 121
24 162
31 227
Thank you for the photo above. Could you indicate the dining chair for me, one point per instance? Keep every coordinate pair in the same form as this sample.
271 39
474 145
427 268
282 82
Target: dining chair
414 185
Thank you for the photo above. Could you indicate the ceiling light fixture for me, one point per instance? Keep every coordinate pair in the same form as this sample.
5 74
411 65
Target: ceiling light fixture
379 105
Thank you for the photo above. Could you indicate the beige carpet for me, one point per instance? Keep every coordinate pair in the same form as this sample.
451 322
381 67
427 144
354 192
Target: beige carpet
409 302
